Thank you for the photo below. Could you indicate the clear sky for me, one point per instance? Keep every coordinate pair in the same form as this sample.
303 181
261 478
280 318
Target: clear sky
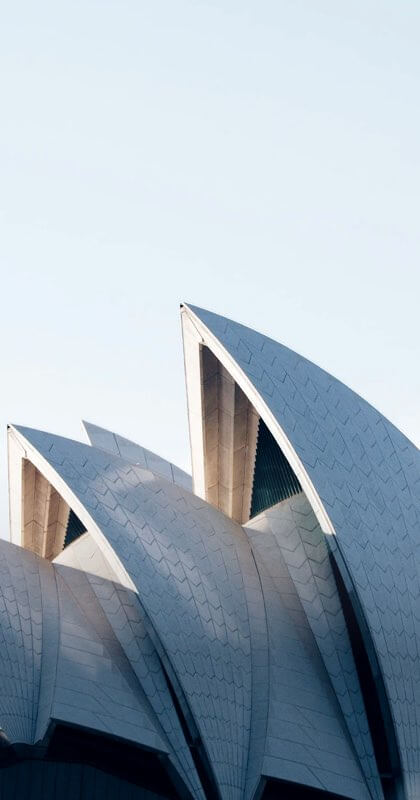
260 159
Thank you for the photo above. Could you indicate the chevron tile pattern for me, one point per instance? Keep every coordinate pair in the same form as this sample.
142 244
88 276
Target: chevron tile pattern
292 528
114 443
199 586
217 661
367 476
126 617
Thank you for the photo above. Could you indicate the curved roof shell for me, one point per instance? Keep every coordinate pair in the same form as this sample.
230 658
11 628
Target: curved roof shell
223 644
362 478
194 573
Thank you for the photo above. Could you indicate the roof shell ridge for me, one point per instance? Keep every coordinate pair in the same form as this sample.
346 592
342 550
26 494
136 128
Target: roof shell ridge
205 316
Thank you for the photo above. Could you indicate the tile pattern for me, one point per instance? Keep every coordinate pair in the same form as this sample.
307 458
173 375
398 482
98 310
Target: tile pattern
54 664
292 527
119 446
187 561
224 638
95 685
20 642
126 617
50 622
367 475
306 739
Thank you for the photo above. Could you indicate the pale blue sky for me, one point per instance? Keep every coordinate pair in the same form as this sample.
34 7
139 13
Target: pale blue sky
260 159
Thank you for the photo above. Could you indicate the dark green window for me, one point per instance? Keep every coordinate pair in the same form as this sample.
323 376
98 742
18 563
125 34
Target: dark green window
274 479
75 528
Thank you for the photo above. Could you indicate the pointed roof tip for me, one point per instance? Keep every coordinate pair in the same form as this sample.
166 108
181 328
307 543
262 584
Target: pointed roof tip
211 319
12 426
88 424
93 431
193 307
201 312
190 307
216 324
92 426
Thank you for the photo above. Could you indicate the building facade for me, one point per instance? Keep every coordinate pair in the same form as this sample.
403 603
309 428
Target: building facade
249 632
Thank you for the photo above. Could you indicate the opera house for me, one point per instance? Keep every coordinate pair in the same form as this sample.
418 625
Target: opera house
251 632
